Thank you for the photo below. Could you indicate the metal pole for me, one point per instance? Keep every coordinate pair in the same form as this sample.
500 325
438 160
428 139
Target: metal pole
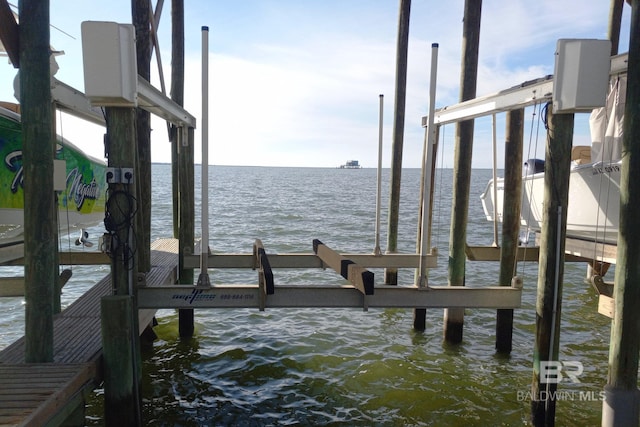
495 181
376 249
425 238
203 279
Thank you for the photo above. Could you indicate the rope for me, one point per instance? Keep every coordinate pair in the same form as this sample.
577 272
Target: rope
535 150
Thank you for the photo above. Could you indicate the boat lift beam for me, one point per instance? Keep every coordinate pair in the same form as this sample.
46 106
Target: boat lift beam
526 94
316 296
155 102
76 103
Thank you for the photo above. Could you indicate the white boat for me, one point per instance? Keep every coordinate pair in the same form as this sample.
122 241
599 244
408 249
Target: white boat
80 203
594 181
594 201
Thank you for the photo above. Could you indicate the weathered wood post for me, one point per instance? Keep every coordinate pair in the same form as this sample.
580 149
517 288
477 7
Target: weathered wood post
615 20
121 405
454 317
620 406
141 12
38 140
187 224
183 158
120 225
391 274
510 222
551 265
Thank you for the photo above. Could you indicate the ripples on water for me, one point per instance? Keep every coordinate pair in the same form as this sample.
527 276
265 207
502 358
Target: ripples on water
344 366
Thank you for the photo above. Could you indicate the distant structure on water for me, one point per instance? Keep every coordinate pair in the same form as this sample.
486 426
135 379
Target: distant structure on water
351 164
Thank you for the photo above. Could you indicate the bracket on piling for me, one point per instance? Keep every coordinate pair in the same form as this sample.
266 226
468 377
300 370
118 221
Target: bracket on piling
360 278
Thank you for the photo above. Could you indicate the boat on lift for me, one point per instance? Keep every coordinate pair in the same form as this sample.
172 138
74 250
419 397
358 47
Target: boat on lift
594 181
80 188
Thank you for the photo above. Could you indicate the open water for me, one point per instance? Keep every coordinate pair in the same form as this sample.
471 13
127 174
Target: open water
343 366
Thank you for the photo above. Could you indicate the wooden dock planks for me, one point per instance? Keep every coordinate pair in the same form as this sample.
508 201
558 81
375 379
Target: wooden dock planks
31 394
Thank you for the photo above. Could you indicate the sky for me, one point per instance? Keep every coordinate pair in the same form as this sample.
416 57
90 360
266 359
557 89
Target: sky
297 83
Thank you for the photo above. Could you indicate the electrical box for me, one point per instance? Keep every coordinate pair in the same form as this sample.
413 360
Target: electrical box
59 175
110 67
581 76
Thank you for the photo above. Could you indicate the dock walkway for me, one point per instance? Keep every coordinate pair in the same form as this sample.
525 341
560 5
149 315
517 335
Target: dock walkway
46 394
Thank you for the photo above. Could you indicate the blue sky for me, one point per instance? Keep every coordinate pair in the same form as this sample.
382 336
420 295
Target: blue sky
296 83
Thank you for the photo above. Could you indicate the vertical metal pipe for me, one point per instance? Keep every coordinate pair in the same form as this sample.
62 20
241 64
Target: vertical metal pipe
203 279
376 249
495 180
425 238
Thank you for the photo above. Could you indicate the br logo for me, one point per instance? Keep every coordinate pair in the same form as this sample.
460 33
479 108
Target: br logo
554 372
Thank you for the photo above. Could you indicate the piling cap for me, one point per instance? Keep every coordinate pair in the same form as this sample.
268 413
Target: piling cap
435 45
205 28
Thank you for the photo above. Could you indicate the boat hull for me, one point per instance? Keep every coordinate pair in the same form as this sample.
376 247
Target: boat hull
80 204
594 202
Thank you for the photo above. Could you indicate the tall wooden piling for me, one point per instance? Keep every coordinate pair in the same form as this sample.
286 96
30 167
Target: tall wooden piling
615 20
38 141
120 224
121 401
187 226
141 13
177 95
454 317
551 265
510 222
620 406
121 200
391 274
182 167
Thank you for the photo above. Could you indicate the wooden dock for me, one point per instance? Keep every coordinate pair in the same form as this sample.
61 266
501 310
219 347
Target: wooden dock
47 394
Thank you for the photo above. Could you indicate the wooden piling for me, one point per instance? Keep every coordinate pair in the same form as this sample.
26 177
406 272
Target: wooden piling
551 264
37 149
121 398
510 222
182 167
615 20
391 274
141 14
620 405
454 318
121 200
177 95
187 226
